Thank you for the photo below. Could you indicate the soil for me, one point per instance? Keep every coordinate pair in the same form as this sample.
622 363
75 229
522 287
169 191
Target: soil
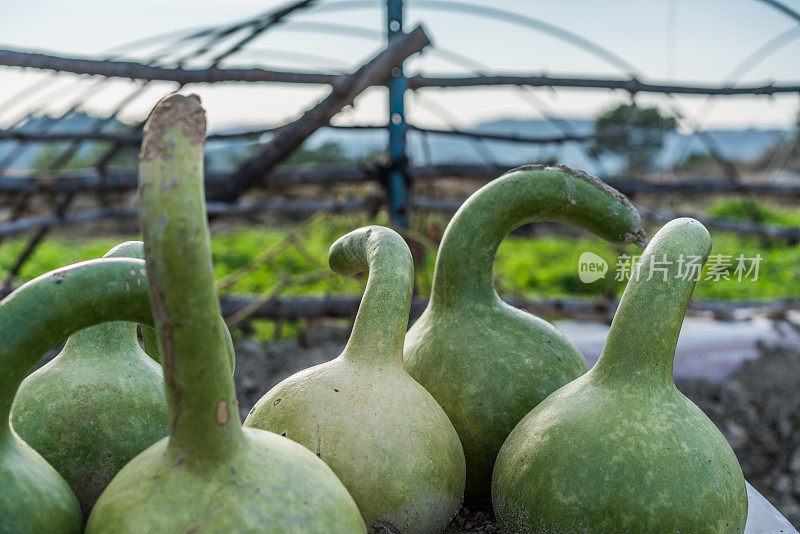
757 409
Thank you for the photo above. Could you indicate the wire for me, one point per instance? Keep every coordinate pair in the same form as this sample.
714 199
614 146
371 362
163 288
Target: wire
783 8
503 15
480 145
751 61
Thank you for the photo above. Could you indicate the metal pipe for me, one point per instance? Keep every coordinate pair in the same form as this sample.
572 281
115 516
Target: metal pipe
397 177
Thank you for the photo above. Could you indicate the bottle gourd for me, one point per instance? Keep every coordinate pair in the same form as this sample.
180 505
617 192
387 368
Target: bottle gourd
34 498
384 436
620 449
96 405
209 474
485 362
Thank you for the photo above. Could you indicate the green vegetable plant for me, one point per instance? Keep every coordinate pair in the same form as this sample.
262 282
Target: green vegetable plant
34 498
620 449
96 405
384 436
209 474
485 362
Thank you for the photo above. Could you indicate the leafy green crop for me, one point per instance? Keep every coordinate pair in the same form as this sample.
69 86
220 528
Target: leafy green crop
750 210
526 266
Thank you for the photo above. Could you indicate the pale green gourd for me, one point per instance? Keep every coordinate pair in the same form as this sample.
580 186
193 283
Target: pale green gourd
96 405
384 436
209 475
620 449
485 362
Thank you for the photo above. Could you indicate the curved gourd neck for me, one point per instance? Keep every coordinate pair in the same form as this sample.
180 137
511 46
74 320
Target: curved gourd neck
63 302
115 338
644 333
193 343
380 325
465 262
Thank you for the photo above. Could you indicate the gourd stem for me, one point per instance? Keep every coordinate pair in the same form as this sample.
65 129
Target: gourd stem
380 325
193 343
644 333
44 311
465 262
114 334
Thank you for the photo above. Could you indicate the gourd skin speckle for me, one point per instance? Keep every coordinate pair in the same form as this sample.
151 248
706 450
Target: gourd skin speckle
95 406
620 449
208 475
382 433
485 362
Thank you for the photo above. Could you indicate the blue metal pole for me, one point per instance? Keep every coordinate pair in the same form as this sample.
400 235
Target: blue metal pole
397 180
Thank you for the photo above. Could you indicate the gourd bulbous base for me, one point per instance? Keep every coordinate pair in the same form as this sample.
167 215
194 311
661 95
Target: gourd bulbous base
608 457
386 438
267 485
30 483
94 407
458 355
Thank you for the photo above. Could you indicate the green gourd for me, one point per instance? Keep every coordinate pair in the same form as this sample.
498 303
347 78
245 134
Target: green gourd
384 436
210 474
485 362
620 449
34 498
96 405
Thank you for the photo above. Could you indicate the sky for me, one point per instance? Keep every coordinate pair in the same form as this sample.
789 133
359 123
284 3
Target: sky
681 41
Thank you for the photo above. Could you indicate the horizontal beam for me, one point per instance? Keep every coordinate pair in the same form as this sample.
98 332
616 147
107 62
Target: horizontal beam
602 309
215 209
26 136
306 207
766 231
524 139
140 71
118 181
632 85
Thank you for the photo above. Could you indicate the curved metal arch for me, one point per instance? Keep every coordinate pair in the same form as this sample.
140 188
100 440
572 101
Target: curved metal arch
360 32
446 54
752 60
504 16
783 8
270 53
763 52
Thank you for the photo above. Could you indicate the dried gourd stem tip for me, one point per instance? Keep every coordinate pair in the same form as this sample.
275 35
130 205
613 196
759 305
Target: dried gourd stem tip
638 237
175 109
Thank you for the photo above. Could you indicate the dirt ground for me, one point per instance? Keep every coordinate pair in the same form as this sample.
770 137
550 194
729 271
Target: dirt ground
757 409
